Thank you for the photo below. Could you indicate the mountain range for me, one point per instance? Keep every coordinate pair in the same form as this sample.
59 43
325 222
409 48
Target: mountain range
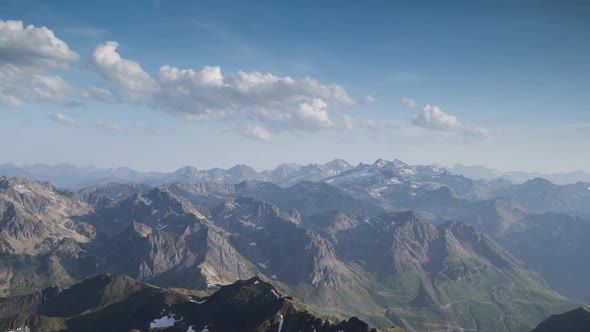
348 255
74 177
488 174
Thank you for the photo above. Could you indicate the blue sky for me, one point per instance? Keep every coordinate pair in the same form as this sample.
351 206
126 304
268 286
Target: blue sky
502 83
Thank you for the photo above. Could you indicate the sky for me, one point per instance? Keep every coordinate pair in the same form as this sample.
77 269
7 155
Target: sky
157 85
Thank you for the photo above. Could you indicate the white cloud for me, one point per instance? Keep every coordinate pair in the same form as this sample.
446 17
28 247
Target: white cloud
314 114
349 122
408 102
61 119
21 84
432 117
126 74
256 132
32 45
269 101
108 125
368 100
97 93
26 56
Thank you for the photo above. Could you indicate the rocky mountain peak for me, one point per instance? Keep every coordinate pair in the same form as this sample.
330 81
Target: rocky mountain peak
338 165
380 163
186 170
399 164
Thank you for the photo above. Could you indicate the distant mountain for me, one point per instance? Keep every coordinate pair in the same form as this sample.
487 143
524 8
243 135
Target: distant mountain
112 193
401 184
119 303
192 175
290 174
555 245
540 196
283 175
577 320
74 177
305 196
489 174
441 272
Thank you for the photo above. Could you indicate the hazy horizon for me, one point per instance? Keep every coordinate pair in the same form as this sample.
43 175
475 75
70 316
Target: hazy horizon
365 162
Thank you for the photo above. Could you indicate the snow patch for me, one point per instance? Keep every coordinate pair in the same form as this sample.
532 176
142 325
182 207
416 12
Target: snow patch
166 321
190 329
393 181
161 227
263 265
146 200
198 302
256 282
280 324
274 276
275 293
253 244
407 171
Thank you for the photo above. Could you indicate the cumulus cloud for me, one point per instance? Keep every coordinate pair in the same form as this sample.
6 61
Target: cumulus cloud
27 54
432 117
97 93
368 100
61 119
267 101
256 132
126 74
32 45
408 102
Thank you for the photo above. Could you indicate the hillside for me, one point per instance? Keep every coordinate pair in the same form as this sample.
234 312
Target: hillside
577 320
120 303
